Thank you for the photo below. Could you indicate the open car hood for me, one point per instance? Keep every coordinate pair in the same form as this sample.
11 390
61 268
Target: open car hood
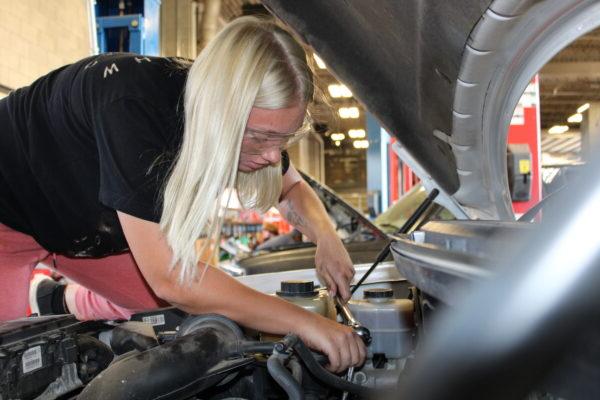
415 65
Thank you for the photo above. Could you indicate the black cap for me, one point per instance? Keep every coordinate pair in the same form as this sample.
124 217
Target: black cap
297 289
378 293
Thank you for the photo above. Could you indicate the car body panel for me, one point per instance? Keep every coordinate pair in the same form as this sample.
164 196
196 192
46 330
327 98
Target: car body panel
362 239
301 258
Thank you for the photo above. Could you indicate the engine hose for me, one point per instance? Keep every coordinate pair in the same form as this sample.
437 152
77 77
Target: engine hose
283 377
325 376
296 369
255 347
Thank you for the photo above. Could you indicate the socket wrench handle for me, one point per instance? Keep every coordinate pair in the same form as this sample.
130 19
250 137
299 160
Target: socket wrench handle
360 330
349 319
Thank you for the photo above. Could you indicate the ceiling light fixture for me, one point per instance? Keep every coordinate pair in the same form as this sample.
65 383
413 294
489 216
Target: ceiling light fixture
337 143
319 61
583 108
348 112
558 129
337 91
357 133
361 144
575 118
337 136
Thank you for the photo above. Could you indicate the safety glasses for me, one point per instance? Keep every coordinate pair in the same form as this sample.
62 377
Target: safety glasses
257 142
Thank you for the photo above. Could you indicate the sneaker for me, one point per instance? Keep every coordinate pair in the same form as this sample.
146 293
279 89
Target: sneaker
46 296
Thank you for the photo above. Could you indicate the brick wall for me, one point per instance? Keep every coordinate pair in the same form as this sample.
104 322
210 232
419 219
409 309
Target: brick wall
37 36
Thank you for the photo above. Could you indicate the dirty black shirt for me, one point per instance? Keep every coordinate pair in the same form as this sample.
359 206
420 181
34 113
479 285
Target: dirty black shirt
85 140
88 139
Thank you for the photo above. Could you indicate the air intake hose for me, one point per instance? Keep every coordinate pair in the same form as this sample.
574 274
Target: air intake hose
176 370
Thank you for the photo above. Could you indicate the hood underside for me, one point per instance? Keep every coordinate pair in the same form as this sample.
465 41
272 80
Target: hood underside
402 60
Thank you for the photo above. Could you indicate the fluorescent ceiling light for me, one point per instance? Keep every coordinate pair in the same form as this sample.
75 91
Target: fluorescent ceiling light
337 136
337 91
357 133
360 144
319 61
349 112
558 129
575 118
583 108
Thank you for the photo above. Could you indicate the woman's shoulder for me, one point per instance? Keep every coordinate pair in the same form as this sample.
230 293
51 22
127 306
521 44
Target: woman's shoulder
112 76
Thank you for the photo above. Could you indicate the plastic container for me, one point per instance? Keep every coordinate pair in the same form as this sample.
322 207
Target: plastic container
391 322
304 294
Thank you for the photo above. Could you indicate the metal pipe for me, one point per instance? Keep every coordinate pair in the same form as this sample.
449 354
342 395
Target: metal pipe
408 225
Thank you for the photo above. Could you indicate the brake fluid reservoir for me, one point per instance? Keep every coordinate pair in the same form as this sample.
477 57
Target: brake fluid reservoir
304 294
391 322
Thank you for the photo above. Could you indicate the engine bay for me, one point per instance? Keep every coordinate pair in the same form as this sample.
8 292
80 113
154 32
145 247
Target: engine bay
169 354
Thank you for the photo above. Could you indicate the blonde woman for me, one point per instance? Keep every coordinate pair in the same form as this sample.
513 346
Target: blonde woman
113 167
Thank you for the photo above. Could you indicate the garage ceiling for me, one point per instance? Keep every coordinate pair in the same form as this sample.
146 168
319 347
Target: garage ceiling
571 79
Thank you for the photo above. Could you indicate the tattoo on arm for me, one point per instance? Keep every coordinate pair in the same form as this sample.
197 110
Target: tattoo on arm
293 217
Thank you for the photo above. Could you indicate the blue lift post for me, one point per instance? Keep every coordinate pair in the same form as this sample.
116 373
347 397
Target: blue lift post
141 22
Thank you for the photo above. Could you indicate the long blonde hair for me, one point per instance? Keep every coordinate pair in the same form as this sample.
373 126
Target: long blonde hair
251 63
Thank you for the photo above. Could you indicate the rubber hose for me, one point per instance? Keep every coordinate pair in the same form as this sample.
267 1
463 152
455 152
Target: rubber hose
256 347
325 376
296 369
284 378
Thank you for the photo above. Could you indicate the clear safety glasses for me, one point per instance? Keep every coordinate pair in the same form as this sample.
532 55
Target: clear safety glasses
257 142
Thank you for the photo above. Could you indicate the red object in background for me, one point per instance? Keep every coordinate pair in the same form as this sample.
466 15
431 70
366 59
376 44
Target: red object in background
525 129
401 177
283 227
274 217
393 173
250 217
409 179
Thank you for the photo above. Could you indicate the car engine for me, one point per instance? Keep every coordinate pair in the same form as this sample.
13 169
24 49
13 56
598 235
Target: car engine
169 354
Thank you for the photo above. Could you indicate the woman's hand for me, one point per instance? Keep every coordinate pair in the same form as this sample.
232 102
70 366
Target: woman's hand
334 267
340 343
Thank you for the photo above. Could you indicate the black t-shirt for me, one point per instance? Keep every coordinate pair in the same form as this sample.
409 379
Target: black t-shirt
85 140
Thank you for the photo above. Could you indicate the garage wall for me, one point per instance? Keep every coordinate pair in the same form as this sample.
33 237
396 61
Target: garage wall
37 36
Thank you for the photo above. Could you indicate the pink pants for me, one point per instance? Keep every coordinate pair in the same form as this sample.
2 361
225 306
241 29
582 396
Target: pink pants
108 288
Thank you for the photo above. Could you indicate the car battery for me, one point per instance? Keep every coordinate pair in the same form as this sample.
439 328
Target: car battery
47 357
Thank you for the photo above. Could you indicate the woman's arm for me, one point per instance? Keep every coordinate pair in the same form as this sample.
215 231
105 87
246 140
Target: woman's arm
303 209
219 293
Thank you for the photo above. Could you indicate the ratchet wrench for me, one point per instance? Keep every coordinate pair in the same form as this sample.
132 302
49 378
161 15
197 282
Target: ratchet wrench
360 330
